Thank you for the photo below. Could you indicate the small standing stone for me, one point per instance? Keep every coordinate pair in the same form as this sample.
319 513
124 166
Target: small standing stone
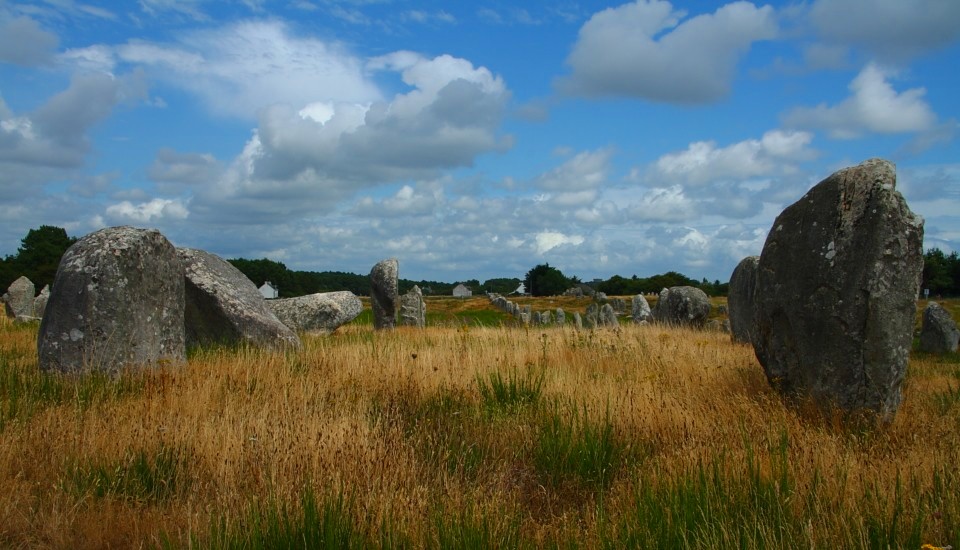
640 311
40 302
939 332
740 299
413 309
608 317
19 298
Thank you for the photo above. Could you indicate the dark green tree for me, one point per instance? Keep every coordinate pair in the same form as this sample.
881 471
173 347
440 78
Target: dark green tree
937 273
38 256
544 280
501 285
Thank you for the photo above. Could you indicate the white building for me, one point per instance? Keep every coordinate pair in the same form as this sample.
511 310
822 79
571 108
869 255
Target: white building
461 291
269 291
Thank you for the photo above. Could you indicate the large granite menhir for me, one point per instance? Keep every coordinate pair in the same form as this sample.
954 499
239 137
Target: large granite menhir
223 306
684 306
384 293
117 301
836 293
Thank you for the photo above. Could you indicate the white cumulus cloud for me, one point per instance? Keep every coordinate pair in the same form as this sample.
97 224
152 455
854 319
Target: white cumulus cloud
147 212
647 49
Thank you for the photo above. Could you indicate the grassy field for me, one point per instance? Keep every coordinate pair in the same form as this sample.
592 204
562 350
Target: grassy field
470 434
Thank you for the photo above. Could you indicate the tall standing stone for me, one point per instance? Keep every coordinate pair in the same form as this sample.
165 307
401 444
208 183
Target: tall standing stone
939 333
740 299
413 309
608 316
836 292
223 306
384 293
19 299
117 301
561 317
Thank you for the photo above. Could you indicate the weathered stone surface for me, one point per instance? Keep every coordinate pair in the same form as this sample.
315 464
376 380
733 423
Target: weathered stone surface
40 302
383 293
619 305
318 313
939 332
413 309
561 317
740 299
117 301
18 301
836 292
577 321
592 316
640 310
682 306
223 306
546 317
608 317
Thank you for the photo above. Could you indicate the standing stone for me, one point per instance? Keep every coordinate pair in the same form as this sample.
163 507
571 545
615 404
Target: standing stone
619 305
413 310
546 317
577 321
320 313
536 320
40 302
19 299
117 301
640 310
561 317
682 306
740 299
591 316
383 293
836 292
939 333
223 306
608 317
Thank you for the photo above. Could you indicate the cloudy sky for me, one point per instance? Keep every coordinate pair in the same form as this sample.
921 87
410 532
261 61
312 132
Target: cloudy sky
469 139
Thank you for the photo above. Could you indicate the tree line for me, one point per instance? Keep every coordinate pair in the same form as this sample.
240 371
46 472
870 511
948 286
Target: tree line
40 250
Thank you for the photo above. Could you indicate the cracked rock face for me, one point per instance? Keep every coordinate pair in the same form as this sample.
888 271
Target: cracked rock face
682 306
836 292
223 306
117 301
319 313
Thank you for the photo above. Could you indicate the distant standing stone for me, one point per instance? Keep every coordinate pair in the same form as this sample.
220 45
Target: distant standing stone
321 313
40 302
117 301
413 309
577 321
384 293
561 317
608 317
223 306
740 299
836 292
19 299
682 306
939 333
640 310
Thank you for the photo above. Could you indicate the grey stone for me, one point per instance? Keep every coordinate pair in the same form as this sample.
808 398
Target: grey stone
939 332
40 302
536 319
608 317
619 305
591 316
600 297
223 306
19 299
836 293
117 301
740 299
561 317
682 306
384 293
320 313
413 309
546 317
577 321
640 309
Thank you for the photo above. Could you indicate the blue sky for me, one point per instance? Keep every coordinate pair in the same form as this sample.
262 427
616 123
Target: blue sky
469 139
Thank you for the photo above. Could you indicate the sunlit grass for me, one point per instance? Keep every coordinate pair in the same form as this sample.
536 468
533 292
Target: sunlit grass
467 435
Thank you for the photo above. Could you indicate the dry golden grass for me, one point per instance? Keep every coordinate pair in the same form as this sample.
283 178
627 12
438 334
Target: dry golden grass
397 424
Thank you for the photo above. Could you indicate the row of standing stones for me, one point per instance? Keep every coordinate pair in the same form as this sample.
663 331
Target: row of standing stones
829 304
124 296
